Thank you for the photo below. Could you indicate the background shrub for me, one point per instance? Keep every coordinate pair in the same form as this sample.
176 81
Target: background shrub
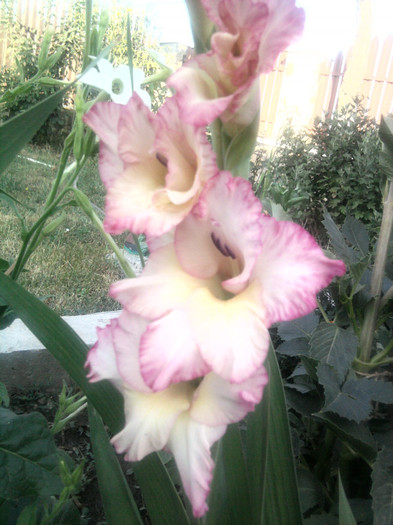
24 49
335 165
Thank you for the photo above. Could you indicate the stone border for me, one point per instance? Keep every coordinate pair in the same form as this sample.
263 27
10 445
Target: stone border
25 364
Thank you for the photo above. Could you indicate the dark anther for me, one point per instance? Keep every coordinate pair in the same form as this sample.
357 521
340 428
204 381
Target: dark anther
160 157
225 250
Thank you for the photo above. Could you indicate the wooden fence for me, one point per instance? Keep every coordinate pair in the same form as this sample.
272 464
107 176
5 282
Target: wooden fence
299 87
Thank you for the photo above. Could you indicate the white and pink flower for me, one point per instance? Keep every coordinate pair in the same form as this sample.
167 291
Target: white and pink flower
153 166
223 82
211 292
186 418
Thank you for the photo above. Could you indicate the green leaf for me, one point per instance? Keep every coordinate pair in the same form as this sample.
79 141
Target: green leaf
310 490
353 400
382 487
162 501
340 247
117 499
270 466
4 397
335 346
229 500
28 456
345 515
294 347
302 327
357 436
357 234
18 131
67 347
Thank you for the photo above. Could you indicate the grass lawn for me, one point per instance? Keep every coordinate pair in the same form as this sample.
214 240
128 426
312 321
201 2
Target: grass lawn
72 269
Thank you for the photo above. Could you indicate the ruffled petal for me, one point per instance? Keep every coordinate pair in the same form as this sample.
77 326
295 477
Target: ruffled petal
101 359
197 91
161 287
169 353
150 419
219 402
291 270
190 443
103 118
214 236
126 340
137 130
231 334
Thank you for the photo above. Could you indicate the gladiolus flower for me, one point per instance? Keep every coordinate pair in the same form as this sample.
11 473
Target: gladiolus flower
186 418
153 166
212 293
222 83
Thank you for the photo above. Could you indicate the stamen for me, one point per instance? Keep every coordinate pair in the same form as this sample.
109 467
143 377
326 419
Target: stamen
225 250
163 160
229 252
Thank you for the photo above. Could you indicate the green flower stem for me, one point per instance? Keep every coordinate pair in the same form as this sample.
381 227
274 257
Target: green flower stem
33 236
381 355
109 239
370 318
138 247
386 298
216 130
322 310
59 175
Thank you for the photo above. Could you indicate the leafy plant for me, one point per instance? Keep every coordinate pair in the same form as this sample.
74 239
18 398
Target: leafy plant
334 166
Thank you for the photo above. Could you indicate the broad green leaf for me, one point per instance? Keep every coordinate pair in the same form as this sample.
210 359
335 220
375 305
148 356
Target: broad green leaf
29 458
335 346
328 378
341 249
67 347
229 500
382 487
345 515
357 436
270 466
18 131
356 233
117 499
310 489
353 400
302 327
294 347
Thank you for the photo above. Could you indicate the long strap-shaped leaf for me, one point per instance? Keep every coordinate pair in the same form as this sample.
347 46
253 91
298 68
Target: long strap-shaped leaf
271 469
17 132
229 501
118 501
67 347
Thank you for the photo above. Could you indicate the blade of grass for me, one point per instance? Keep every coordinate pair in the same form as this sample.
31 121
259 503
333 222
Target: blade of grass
271 469
117 499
